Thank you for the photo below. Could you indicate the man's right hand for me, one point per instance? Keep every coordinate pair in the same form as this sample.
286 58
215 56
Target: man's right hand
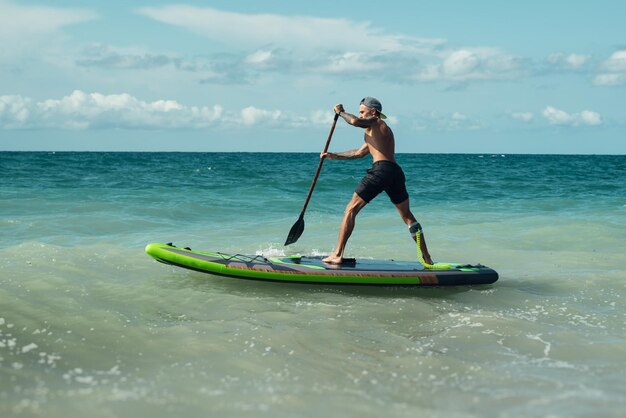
339 108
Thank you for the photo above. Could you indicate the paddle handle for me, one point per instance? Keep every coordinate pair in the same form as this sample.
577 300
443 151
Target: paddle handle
319 166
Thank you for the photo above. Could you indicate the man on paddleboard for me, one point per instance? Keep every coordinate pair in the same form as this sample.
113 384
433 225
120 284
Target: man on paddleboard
385 175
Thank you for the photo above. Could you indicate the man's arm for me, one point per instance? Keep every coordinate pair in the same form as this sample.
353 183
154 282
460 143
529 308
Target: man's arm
348 155
355 121
352 119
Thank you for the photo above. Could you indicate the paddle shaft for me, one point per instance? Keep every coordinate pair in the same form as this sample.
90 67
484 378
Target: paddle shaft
319 166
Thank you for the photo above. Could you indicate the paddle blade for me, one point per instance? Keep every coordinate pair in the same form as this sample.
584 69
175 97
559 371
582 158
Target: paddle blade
296 230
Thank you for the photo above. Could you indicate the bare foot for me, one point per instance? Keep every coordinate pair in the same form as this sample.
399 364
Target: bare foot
333 259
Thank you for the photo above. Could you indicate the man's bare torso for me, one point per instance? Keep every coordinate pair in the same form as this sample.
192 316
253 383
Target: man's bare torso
380 141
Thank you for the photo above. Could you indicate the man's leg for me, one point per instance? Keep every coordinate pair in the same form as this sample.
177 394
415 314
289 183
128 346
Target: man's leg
409 219
345 230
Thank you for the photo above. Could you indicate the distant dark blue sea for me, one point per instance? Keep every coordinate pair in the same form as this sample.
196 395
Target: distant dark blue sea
89 322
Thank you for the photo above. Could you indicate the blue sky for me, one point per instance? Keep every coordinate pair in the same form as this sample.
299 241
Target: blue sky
453 76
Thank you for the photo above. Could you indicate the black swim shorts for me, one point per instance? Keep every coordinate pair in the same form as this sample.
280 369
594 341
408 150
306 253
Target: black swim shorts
384 176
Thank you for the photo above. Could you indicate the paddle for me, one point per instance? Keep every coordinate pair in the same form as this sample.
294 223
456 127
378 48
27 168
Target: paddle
298 228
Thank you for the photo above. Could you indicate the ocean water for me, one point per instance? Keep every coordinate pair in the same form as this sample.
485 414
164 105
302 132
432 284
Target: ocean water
92 326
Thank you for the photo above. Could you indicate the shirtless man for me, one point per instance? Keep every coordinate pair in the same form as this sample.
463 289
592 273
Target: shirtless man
385 175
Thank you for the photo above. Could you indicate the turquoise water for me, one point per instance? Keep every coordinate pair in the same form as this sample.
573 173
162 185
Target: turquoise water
88 322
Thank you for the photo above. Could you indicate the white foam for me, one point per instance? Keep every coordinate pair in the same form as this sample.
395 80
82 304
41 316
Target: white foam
548 346
271 252
29 347
317 253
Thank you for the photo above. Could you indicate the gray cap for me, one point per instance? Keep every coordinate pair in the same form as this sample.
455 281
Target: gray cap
373 103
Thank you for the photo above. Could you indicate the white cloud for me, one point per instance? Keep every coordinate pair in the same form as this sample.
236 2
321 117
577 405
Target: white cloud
253 116
322 117
560 117
614 70
569 61
616 62
82 110
299 44
460 63
351 62
455 121
14 110
609 79
18 21
590 118
467 64
556 116
259 57
108 57
523 116
231 68
577 60
456 116
27 30
298 32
